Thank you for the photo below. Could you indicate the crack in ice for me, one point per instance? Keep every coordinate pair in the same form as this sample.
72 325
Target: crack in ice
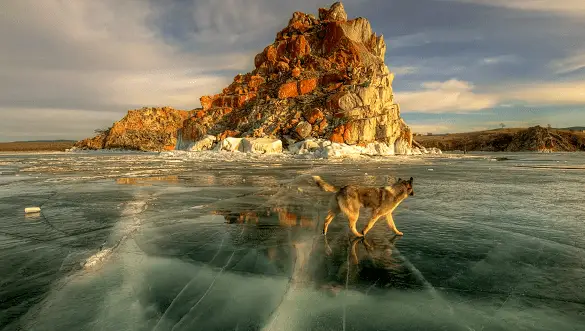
210 285
187 285
206 292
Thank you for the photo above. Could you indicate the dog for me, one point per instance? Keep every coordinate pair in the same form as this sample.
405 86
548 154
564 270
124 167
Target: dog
382 201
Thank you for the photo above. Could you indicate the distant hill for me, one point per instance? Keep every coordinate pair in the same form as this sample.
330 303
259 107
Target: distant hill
575 128
37 146
534 138
44 141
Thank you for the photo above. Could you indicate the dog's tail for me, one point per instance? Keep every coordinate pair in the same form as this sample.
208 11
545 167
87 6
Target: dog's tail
324 185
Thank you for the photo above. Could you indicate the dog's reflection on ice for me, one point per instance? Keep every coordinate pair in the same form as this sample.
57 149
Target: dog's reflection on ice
330 262
360 263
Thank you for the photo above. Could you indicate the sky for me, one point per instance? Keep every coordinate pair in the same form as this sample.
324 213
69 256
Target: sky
70 67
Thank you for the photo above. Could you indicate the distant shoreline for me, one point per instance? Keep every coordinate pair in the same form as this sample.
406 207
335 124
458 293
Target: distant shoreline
36 146
532 139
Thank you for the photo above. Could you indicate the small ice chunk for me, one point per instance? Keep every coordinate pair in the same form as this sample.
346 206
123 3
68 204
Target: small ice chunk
30 210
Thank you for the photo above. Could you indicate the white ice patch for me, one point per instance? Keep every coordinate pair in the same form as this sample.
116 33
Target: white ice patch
202 145
123 230
266 149
230 145
320 148
401 147
261 145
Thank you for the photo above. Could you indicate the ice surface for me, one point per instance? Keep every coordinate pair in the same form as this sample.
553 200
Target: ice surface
231 241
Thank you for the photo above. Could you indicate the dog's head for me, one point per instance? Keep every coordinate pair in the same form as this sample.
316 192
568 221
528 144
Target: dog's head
408 185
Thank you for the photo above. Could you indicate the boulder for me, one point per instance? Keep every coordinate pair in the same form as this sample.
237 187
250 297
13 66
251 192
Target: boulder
303 130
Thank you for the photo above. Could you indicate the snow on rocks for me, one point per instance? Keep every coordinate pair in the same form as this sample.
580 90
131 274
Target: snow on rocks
230 145
309 148
262 145
326 149
401 147
204 144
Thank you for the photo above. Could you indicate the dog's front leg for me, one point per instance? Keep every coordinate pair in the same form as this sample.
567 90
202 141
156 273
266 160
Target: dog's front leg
390 221
370 225
353 224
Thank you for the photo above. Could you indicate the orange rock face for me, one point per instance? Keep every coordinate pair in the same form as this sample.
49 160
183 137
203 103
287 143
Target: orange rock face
314 115
147 129
298 47
307 85
336 138
228 133
288 90
296 72
94 143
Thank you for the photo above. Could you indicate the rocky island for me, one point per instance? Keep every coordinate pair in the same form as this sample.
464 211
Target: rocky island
322 84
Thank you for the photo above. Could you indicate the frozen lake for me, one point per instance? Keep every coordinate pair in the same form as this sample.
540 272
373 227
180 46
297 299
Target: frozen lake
167 242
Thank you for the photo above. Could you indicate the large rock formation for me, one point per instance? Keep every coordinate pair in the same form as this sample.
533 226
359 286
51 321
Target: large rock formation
146 129
322 78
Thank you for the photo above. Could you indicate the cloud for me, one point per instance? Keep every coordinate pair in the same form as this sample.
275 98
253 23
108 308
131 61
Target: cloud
430 128
569 64
457 96
96 59
544 94
494 60
404 71
452 96
564 7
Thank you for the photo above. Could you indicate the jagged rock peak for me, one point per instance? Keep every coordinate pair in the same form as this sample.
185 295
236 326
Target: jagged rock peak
335 13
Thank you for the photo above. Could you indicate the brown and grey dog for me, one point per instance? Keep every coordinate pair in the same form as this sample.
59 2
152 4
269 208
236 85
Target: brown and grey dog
349 199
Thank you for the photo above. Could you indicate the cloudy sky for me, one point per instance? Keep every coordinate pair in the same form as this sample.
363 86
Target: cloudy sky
69 67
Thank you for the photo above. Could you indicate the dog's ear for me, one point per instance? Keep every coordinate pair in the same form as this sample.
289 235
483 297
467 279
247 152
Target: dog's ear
411 179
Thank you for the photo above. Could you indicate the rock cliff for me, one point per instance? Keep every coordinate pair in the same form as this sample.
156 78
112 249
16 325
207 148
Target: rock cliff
322 77
146 129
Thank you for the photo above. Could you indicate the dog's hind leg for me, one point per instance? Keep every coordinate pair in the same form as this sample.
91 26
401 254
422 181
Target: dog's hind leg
371 223
391 224
332 213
